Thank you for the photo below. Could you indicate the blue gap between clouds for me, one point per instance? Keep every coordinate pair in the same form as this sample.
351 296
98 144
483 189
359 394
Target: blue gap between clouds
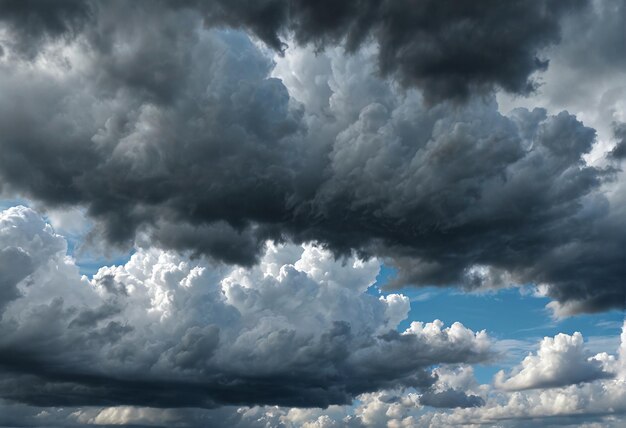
505 314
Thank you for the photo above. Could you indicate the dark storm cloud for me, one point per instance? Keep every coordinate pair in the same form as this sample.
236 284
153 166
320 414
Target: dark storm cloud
328 375
31 22
15 265
447 48
72 389
179 136
233 246
480 197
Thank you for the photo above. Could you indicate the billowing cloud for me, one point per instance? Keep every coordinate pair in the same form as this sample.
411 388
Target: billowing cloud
448 50
190 139
163 331
29 24
599 402
450 398
560 361
593 85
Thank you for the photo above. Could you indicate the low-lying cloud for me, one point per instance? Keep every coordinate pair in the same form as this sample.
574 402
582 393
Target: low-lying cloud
297 330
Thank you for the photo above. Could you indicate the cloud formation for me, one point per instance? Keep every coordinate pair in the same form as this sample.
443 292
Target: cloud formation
448 50
598 400
186 139
29 24
164 331
560 361
597 403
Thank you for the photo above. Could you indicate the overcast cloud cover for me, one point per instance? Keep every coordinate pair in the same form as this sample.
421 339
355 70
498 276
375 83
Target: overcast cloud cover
263 162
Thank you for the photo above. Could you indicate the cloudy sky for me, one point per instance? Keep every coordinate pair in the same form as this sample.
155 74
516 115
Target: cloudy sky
298 213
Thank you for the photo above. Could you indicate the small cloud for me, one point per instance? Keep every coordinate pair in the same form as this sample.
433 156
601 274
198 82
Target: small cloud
422 297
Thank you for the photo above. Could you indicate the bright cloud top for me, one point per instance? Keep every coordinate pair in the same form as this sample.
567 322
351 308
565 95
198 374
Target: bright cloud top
163 330
560 361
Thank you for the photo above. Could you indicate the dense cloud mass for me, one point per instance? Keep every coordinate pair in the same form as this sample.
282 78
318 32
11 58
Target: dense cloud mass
597 403
446 48
163 331
30 23
587 73
278 174
194 139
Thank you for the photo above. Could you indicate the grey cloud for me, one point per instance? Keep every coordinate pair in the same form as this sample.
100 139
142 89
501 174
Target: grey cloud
450 398
220 157
599 32
587 68
17 264
197 334
479 197
599 402
175 136
110 285
447 49
619 151
90 317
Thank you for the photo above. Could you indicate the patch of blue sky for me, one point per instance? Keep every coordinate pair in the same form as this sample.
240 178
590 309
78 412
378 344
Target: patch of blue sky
87 260
515 318
90 266
13 202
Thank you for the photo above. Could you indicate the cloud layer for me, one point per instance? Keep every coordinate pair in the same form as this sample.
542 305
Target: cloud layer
599 402
196 141
163 331
448 50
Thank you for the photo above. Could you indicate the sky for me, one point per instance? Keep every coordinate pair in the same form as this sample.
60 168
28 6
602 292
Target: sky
293 213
